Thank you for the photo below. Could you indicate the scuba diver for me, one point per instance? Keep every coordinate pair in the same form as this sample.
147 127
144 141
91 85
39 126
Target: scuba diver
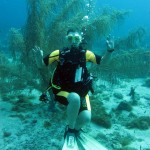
71 80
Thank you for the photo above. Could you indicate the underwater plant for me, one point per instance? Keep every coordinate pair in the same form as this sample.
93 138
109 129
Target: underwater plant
48 22
128 64
34 31
118 95
23 104
100 116
134 39
16 43
47 124
124 106
6 134
103 23
147 83
121 140
142 123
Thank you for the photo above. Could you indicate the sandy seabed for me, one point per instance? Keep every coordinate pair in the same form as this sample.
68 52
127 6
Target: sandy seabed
41 128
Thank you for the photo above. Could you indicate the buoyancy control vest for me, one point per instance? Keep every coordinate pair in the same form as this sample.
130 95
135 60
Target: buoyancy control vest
71 73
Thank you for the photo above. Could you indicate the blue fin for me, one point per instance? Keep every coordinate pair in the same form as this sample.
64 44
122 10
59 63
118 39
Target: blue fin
85 142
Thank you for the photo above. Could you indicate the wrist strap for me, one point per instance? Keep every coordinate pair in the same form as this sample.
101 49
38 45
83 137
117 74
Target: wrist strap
110 50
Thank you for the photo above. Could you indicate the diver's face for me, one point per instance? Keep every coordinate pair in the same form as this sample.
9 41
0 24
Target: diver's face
74 39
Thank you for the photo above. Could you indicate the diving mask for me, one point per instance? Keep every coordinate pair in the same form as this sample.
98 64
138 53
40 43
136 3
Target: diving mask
74 38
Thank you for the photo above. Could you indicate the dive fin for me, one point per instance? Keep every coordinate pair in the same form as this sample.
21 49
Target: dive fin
68 144
85 142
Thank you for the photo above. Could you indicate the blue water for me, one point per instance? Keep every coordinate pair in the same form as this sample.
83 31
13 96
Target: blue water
139 16
13 14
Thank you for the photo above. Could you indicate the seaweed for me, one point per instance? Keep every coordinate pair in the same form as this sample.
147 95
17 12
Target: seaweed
47 124
142 123
6 134
134 39
48 22
147 83
100 116
16 43
34 32
22 104
128 64
124 106
121 140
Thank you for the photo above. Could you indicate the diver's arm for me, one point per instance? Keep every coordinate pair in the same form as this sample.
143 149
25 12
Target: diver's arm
110 48
38 56
49 59
106 57
92 57
53 57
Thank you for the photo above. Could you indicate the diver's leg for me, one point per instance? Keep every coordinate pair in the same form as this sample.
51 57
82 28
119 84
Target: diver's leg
73 109
83 119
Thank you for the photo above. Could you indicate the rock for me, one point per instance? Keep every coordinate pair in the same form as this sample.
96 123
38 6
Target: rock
147 96
124 106
147 83
118 95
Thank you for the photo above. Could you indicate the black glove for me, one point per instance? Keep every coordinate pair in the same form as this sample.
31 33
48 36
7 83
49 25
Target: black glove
44 98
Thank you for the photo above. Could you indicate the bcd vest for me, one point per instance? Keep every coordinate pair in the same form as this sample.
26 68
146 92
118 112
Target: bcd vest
71 73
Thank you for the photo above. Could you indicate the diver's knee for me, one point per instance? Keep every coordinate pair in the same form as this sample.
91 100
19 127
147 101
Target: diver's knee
74 98
86 116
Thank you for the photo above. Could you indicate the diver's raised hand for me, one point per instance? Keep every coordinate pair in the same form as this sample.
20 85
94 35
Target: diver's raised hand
38 56
110 43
